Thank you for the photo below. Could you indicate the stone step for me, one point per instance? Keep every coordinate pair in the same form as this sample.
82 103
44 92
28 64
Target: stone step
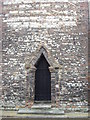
54 111
41 106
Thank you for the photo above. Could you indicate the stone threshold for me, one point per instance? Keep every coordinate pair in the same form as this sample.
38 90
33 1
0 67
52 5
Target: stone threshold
41 105
41 108
49 111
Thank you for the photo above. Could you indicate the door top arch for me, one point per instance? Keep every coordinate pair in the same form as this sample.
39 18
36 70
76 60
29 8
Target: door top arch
32 60
42 63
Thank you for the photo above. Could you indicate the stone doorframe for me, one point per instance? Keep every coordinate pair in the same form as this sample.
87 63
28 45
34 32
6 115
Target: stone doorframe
55 70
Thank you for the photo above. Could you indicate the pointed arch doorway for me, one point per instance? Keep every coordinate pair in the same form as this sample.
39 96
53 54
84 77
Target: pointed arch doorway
43 77
42 80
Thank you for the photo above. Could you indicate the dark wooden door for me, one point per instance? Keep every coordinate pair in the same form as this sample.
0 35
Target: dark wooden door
42 80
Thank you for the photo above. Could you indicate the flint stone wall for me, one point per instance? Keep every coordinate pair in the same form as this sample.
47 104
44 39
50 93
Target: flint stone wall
63 28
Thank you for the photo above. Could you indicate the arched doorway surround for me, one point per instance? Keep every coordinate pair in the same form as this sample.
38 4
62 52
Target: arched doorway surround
55 73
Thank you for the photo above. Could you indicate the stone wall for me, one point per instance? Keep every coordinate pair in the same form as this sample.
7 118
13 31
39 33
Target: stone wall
89 57
0 52
63 28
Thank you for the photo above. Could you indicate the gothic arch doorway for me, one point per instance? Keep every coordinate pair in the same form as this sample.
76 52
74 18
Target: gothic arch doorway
43 77
42 80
